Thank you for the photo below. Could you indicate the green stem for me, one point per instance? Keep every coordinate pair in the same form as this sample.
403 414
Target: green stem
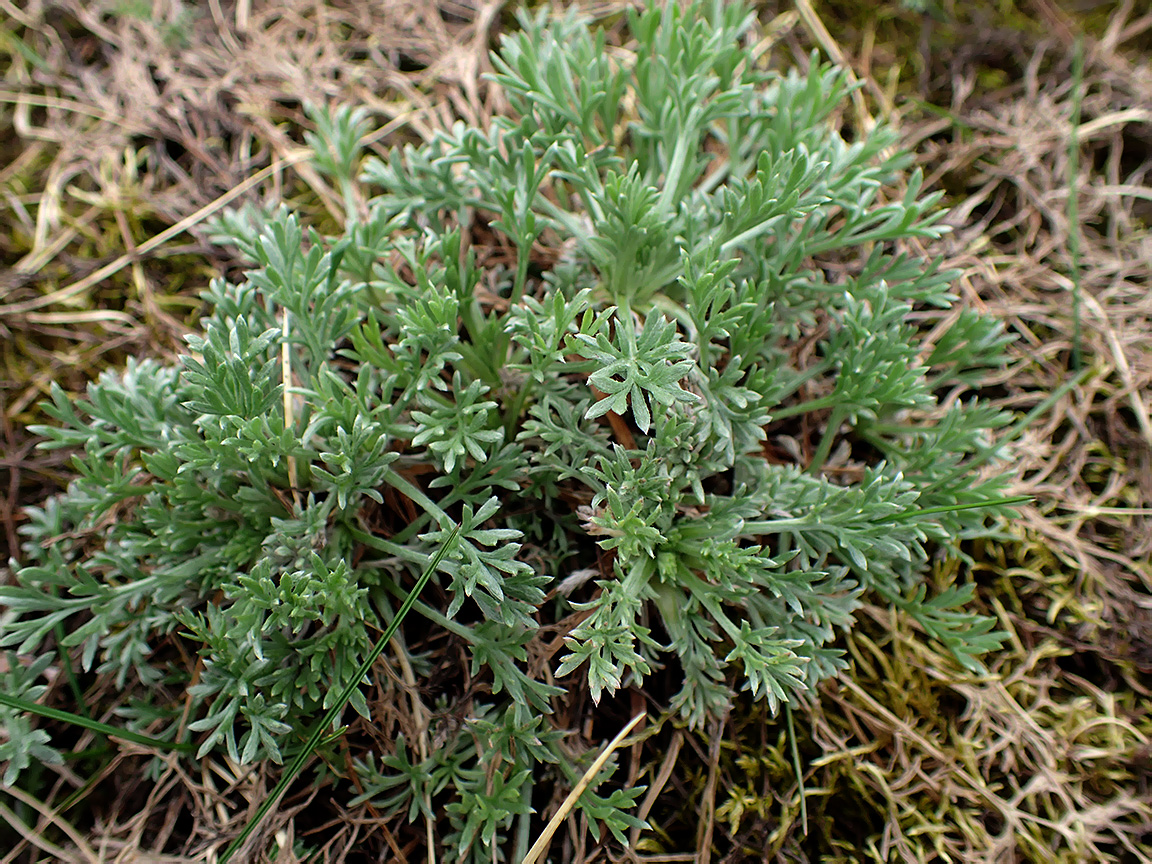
1012 434
705 594
397 550
949 508
347 190
69 671
756 527
672 177
482 367
805 407
435 616
501 340
750 234
512 415
18 704
431 508
523 253
524 823
839 415
796 766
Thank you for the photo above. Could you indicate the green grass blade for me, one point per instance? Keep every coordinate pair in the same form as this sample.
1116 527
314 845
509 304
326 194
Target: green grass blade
69 672
88 723
1015 431
318 732
950 508
796 766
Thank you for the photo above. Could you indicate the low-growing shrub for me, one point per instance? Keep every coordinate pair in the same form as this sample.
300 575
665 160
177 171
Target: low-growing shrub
647 342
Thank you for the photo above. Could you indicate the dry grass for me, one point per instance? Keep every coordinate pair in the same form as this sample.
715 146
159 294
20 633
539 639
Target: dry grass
121 120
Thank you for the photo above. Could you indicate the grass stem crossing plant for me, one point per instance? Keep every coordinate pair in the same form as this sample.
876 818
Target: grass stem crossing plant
646 343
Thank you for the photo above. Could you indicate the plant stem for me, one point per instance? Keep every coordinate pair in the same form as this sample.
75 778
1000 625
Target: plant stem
18 704
839 414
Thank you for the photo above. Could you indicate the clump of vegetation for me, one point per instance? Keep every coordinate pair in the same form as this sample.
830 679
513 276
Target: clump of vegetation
600 347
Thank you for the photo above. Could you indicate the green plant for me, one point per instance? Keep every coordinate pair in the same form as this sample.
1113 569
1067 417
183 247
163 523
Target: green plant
596 419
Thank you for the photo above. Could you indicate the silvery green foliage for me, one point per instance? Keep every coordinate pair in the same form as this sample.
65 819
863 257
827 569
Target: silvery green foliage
698 203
